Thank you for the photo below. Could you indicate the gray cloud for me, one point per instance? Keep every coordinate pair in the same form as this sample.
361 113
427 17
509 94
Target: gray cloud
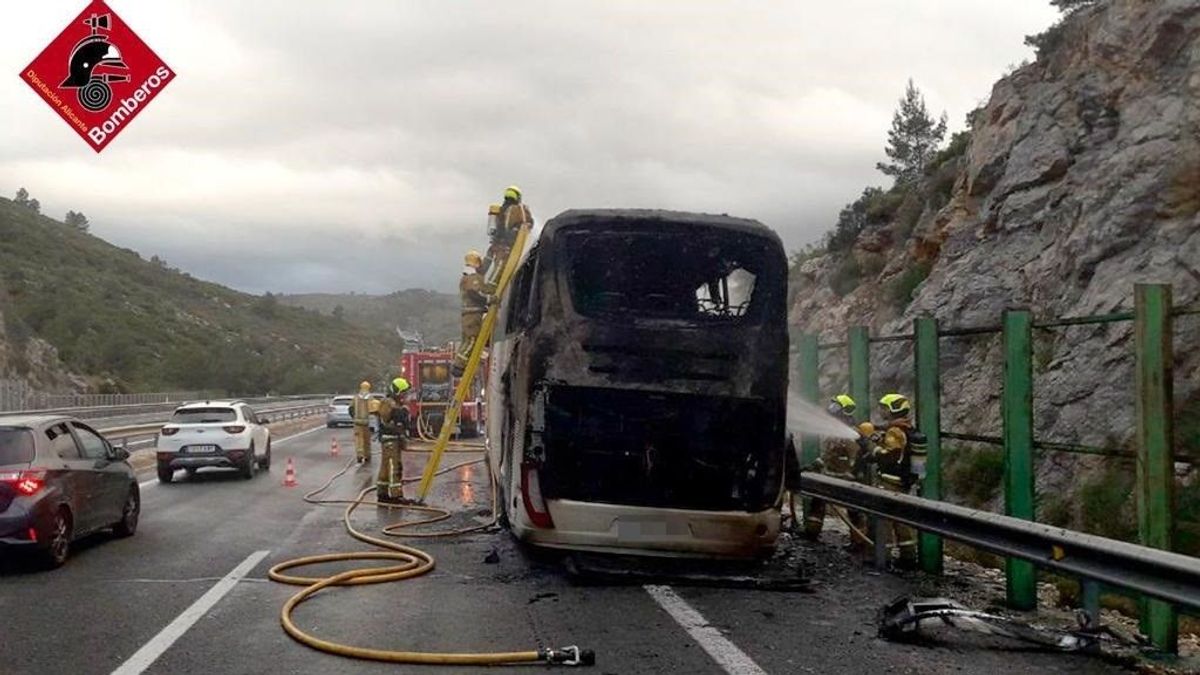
355 145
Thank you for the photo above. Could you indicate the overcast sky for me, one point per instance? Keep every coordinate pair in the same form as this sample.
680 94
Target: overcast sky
355 145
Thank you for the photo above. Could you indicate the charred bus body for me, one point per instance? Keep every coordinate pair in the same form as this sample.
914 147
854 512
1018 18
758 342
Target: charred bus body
639 384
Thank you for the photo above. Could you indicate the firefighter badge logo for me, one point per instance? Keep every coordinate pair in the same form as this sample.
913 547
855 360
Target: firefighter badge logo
97 75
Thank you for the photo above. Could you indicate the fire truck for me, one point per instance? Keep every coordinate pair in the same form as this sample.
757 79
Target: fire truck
433 386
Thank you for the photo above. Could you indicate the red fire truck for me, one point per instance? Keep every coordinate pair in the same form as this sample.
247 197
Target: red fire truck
433 388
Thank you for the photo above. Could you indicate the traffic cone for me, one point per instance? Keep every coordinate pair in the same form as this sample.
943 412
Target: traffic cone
289 476
334 450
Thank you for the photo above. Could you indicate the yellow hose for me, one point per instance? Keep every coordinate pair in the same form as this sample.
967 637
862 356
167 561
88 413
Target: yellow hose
408 562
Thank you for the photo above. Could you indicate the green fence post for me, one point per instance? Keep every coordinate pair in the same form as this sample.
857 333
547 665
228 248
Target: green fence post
929 422
810 390
859 347
1017 408
1155 431
860 371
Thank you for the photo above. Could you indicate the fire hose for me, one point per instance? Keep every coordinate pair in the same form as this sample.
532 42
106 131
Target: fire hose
407 562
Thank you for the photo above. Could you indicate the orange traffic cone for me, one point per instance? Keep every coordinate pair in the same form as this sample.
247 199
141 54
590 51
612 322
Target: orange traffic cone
289 476
334 450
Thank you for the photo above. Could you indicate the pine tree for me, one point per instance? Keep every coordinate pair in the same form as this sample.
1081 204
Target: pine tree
913 139
22 196
77 221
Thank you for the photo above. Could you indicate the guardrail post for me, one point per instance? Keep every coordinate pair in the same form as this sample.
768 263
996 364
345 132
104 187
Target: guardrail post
1017 408
1155 461
929 422
859 350
810 390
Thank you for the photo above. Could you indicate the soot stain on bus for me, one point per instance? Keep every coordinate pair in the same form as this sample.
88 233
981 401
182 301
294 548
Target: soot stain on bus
648 360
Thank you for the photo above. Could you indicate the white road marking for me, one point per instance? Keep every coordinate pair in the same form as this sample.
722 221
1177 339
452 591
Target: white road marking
152 481
149 653
733 660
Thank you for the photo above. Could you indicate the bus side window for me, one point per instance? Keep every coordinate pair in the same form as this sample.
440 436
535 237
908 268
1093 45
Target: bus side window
524 311
517 300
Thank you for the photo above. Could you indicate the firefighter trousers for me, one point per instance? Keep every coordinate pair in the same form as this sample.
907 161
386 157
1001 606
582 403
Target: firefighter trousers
362 441
903 537
388 485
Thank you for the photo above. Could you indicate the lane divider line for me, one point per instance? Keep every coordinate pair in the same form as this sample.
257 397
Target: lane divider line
149 653
727 655
281 441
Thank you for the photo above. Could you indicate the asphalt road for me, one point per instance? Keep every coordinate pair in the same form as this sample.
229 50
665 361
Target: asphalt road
163 601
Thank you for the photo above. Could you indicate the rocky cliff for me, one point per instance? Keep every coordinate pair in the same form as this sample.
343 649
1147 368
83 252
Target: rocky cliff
1081 178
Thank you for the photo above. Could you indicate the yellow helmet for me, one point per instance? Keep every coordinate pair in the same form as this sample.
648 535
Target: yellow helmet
842 404
895 405
512 192
364 386
398 386
473 259
493 209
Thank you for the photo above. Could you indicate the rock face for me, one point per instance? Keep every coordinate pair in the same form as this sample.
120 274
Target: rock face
27 362
1081 179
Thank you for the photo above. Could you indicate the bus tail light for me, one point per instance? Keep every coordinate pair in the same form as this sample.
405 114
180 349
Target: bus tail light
531 492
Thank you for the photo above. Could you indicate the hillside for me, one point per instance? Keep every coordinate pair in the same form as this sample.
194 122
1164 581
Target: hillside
79 304
434 315
1078 178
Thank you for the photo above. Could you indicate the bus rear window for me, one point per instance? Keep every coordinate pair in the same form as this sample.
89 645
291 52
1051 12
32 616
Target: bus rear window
681 276
16 446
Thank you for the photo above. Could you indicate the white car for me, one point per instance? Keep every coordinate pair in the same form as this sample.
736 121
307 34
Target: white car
224 434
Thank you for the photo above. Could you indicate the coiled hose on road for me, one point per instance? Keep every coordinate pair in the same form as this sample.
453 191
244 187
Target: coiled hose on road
408 562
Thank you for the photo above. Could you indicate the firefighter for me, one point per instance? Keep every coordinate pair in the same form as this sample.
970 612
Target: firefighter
393 437
362 418
899 455
838 459
474 307
511 215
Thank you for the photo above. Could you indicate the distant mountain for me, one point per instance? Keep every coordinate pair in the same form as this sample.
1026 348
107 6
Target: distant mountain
434 315
140 325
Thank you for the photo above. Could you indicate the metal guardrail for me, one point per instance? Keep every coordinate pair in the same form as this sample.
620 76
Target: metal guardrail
122 436
92 412
1168 576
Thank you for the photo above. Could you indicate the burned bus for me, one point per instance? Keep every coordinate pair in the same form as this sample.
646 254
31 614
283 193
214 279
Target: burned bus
638 385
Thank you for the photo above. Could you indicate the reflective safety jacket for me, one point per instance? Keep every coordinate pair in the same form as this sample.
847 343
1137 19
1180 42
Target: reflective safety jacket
470 290
393 418
900 454
512 216
361 408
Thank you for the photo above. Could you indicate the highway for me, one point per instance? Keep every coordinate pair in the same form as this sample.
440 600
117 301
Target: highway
189 594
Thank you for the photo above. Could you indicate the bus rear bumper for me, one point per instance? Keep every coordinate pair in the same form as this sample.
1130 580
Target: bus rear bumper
614 528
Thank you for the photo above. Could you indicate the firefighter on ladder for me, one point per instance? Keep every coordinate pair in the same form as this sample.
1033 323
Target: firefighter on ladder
362 419
474 307
899 455
393 437
502 228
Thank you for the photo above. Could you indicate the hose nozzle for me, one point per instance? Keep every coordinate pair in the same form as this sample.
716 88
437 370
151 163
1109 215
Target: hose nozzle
569 656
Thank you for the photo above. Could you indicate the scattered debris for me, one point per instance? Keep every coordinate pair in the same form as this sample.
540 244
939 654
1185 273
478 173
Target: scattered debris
901 620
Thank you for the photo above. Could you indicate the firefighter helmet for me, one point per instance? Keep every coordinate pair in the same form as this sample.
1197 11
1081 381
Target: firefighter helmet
895 405
512 192
473 259
364 386
842 405
398 386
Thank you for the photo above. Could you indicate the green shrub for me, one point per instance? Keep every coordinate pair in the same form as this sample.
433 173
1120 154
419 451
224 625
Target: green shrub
1106 504
882 206
846 277
974 475
903 287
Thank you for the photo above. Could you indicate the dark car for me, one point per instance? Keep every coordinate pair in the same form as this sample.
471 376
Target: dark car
59 481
